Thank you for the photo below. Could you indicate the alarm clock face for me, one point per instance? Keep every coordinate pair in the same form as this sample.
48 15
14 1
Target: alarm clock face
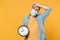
23 30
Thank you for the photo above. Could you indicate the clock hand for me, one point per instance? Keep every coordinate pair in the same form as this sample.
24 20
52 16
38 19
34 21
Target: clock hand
22 30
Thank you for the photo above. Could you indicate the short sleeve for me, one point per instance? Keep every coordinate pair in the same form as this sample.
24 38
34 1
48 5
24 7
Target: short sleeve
25 20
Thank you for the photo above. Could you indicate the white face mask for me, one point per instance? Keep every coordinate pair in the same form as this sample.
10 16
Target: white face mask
33 12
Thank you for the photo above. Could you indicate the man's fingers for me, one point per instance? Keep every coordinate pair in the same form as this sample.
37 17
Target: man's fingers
34 3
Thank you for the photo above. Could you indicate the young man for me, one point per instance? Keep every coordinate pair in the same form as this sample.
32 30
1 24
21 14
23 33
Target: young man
36 22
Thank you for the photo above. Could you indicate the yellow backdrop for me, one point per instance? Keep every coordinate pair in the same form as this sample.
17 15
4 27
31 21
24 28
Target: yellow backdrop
12 13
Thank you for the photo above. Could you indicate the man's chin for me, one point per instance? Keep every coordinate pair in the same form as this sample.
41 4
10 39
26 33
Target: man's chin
33 15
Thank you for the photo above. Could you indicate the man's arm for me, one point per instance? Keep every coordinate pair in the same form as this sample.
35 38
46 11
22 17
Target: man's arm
46 12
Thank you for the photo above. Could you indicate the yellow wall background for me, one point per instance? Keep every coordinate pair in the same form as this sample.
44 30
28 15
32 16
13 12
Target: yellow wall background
12 13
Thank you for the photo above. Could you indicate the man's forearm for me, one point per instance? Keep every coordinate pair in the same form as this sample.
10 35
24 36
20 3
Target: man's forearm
42 6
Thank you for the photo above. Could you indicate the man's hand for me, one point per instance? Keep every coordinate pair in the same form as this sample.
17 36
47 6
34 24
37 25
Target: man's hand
36 6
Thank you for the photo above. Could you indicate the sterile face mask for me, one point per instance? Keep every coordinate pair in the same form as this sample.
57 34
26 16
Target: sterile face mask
33 12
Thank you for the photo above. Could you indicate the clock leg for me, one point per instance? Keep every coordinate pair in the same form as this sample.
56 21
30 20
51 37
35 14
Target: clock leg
26 37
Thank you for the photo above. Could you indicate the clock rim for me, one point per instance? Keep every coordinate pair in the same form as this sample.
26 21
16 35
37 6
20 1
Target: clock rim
23 35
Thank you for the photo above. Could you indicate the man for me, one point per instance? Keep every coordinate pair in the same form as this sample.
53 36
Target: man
36 22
